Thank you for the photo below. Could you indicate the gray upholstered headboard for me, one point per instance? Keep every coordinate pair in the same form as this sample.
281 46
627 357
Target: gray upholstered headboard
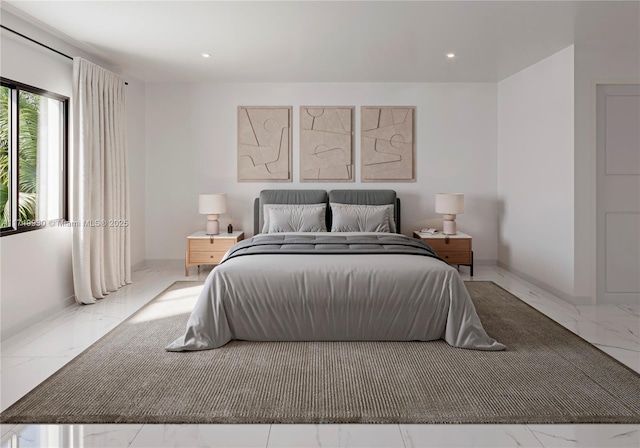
285 197
365 197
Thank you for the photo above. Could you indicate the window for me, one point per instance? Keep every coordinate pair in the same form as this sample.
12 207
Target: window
33 157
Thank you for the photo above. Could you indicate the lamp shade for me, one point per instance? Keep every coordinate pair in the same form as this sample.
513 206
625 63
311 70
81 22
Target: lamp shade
450 203
212 203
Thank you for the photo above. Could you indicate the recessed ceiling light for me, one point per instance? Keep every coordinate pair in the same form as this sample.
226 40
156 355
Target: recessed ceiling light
206 55
451 55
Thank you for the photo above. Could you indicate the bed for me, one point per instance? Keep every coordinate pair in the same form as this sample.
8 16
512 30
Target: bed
322 286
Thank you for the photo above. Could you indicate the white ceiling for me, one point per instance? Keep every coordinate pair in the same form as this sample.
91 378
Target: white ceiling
365 41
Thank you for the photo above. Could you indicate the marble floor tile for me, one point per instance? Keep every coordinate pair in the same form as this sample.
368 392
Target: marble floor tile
6 427
107 436
369 436
70 436
592 436
447 436
308 436
201 436
9 440
38 436
631 308
609 334
604 313
616 351
23 374
312 436
71 338
36 332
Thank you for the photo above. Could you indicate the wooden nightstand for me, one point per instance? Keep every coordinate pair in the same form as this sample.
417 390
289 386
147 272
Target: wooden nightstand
454 249
206 249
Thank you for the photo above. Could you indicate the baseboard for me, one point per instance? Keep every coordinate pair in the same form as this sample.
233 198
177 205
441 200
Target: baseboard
42 315
485 262
574 300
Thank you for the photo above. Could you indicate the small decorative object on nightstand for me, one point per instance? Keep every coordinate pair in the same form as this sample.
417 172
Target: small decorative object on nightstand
208 249
454 249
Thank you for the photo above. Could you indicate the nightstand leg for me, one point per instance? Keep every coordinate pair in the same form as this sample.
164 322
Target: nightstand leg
471 263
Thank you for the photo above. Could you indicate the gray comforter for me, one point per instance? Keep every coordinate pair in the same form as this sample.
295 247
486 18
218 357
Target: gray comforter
327 243
293 287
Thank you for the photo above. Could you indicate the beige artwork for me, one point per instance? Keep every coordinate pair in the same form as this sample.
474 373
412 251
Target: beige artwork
387 143
264 144
326 144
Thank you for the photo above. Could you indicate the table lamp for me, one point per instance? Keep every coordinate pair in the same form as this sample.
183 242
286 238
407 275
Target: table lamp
212 205
449 204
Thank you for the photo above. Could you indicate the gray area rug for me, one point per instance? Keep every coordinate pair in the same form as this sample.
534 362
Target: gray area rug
547 375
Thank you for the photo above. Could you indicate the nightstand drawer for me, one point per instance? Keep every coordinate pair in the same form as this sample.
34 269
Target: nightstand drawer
455 257
450 244
206 257
203 249
205 245
454 249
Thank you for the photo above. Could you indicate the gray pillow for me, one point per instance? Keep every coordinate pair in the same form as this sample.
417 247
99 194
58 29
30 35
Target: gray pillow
361 218
298 218
391 214
289 208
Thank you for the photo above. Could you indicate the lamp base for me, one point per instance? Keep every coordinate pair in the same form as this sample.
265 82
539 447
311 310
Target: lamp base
449 225
213 225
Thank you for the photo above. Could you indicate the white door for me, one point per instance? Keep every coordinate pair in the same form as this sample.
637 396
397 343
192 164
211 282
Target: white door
618 193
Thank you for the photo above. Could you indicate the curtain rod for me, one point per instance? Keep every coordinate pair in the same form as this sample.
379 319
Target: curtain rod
41 44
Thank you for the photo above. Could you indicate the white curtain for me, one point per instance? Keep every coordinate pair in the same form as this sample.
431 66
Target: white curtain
100 183
50 161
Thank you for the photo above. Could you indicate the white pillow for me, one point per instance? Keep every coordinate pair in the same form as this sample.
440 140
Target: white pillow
294 218
361 211
361 218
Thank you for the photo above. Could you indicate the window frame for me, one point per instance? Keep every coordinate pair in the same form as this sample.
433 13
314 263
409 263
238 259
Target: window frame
15 88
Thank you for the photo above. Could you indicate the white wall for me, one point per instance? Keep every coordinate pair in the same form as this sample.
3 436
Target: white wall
536 174
45 254
191 148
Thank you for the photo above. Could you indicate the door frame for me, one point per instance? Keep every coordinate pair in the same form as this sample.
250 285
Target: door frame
598 247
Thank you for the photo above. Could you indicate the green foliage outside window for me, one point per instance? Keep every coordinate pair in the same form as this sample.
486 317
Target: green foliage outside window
28 112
